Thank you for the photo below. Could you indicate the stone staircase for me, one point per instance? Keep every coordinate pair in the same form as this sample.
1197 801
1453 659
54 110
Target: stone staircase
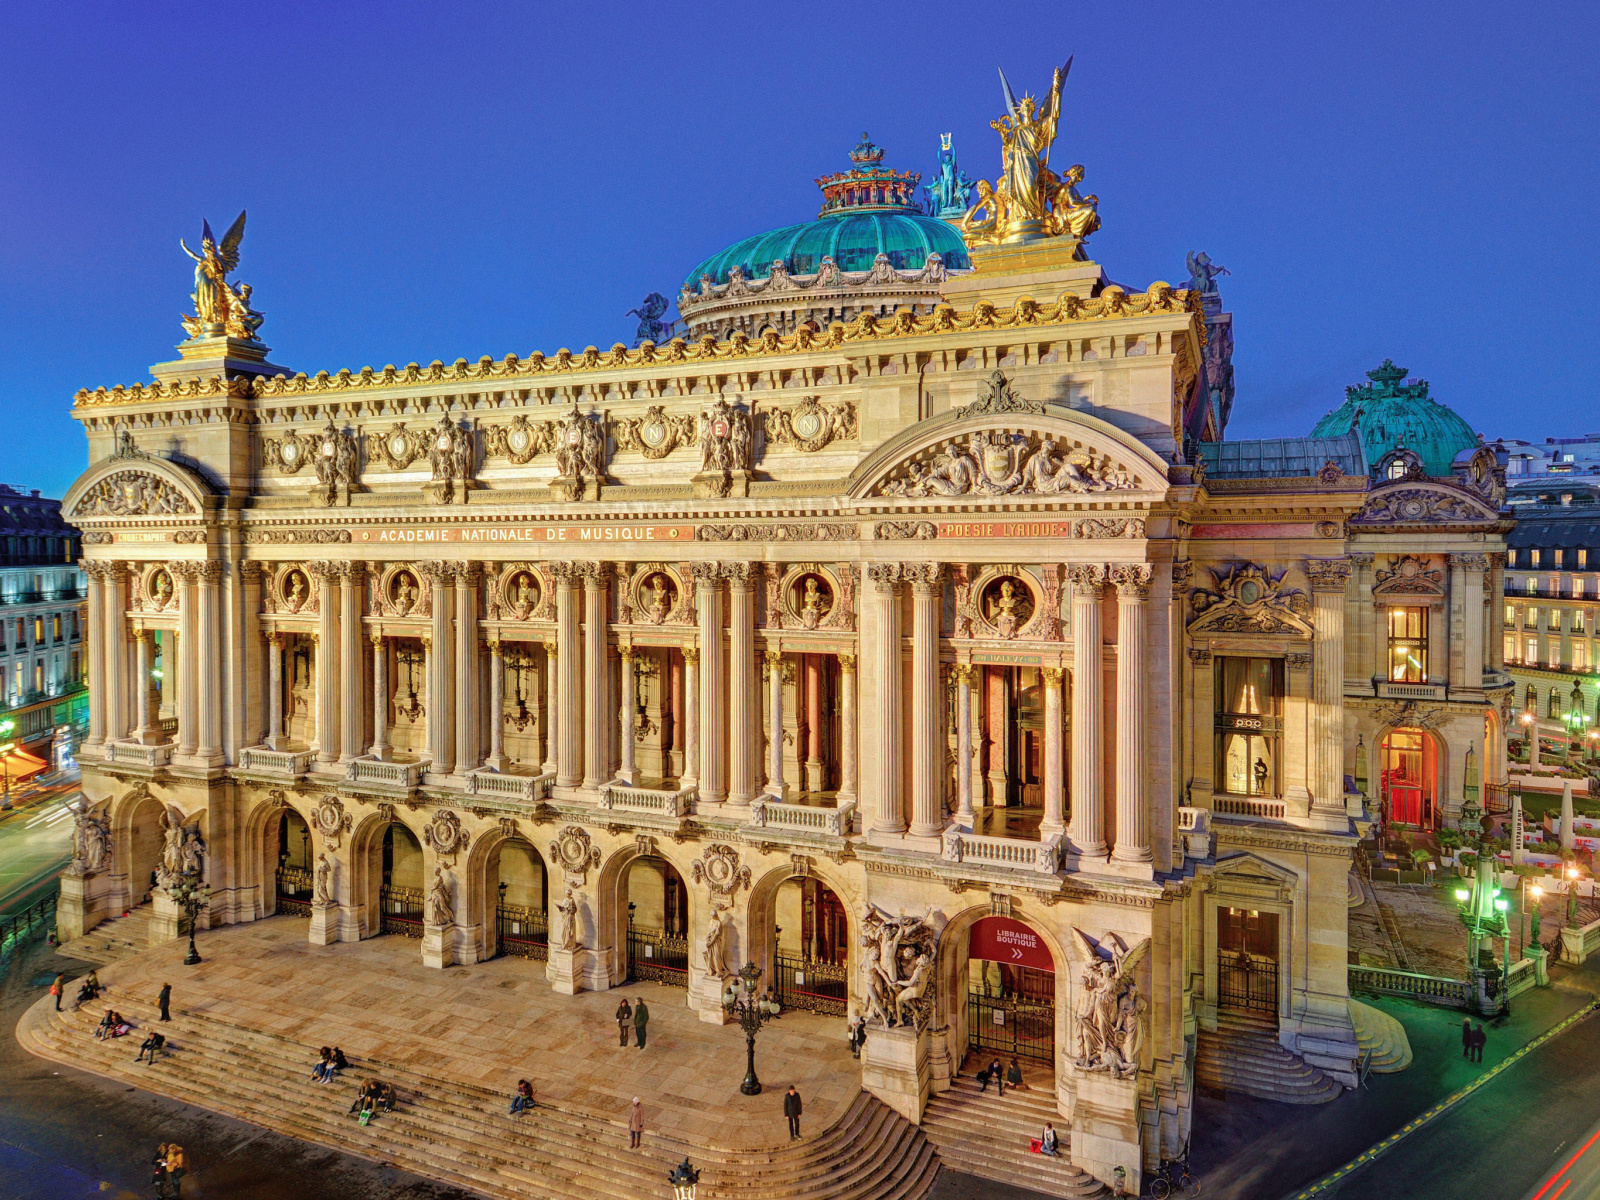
113 939
460 1134
1385 1037
987 1135
1244 1055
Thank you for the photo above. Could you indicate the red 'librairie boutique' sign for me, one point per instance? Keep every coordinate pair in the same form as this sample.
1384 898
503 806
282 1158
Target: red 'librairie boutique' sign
1000 939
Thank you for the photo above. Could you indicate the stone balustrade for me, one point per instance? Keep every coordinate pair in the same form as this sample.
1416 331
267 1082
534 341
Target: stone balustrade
1249 806
144 756
390 774
659 802
1578 942
1194 826
1042 857
287 763
1435 989
529 788
773 814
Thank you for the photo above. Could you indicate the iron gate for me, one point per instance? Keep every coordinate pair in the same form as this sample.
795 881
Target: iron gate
1248 981
400 911
294 891
524 932
1011 1025
818 987
658 956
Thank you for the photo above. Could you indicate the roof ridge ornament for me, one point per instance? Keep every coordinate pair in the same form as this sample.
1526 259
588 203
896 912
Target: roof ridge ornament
995 395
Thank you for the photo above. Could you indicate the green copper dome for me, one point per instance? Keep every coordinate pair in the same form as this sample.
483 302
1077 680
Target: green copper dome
1390 413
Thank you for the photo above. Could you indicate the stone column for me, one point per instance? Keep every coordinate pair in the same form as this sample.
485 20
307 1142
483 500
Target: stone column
847 727
1088 830
380 697
1328 577
964 814
440 676
251 722
744 702
149 730
114 669
95 655
1054 754
596 716
469 745
275 642
775 780
625 715
1475 568
1456 664
552 719
1363 665
351 700
209 663
327 691
497 707
927 727
1497 611
1133 823
188 668
691 718
891 814
712 716
815 776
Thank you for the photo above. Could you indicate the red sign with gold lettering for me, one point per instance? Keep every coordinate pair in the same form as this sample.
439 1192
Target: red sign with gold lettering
1000 939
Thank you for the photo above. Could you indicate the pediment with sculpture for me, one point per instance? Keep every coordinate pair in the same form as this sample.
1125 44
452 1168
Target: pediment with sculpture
134 483
1423 502
1249 598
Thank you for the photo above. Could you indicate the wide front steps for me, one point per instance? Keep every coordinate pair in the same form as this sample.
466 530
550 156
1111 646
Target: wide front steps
1244 1055
987 1135
1382 1036
460 1134
112 939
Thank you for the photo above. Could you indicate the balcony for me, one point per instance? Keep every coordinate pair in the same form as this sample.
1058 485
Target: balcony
528 788
1411 691
1039 858
386 774
1261 807
134 753
1194 826
803 818
655 802
283 763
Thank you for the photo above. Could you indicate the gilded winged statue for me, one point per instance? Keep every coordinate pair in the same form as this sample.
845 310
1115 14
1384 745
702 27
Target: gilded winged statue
218 307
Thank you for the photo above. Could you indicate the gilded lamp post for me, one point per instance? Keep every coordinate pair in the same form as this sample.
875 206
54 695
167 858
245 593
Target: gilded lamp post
740 1001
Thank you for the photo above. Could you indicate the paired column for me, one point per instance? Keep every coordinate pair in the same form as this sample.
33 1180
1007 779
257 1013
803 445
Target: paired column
1133 823
1497 611
1365 664
552 716
691 717
569 658
891 814
96 656
439 672
847 727
813 764
352 577
497 760
964 814
1328 576
380 697
1475 569
275 644
1087 830
1054 753
468 744
327 576
713 765
188 665
625 714
1459 615
927 726
596 689
209 662
775 781
114 666
744 704
149 728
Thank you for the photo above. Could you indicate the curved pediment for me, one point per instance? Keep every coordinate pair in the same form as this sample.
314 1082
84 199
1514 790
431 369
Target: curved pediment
132 483
1422 502
1035 452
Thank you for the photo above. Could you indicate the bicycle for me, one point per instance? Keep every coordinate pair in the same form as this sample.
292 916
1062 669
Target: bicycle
1164 1180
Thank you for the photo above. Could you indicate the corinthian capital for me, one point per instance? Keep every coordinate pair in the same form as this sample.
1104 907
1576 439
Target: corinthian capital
1327 574
707 573
740 574
1132 580
923 577
1088 579
434 571
884 576
1470 562
561 571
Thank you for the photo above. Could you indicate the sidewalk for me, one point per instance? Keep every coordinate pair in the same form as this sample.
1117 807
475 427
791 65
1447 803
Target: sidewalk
1248 1149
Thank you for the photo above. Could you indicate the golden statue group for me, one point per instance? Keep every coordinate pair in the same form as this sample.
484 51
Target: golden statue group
1030 201
220 308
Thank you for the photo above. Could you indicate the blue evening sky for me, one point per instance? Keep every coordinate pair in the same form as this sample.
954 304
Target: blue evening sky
433 180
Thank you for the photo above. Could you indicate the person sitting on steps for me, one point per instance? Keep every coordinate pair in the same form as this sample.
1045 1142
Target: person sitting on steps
340 1062
150 1045
1048 1141
322 1072
522 1100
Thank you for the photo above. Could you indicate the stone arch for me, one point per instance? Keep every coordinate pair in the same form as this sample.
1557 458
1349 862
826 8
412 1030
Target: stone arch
610 938
261 849
363 876
479 904
137 838
1444 770
951 1005
759 942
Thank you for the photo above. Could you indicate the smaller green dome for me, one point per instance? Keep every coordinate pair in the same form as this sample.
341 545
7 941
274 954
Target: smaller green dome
1391 413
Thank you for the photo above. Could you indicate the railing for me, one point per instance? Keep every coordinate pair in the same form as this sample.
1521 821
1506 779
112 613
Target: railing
1011 1025
531 788
16 928
1579 942
819 987
835 822
1043 857
1248 806
169 728
400 911
1435 989
1411 691
524 932
133 752
1524 975
1194 825
295 889
1496 799
658 802
1248 981
660 956
275 762
393 774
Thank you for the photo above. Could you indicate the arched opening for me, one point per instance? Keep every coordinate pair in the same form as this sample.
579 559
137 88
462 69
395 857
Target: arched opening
1408 778
811 932
1009 733
522 901
144 850
1011 992
658 922
400 896
295 881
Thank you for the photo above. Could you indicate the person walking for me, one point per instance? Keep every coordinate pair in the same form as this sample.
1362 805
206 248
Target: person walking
635 1124
641 1018
57 986
177 1168
791 1110
158 1173
1466 1037
1479 1040
624 1019
164 999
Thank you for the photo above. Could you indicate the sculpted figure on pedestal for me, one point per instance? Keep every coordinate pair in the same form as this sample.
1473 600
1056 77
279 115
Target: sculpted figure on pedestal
897 956
1110 1011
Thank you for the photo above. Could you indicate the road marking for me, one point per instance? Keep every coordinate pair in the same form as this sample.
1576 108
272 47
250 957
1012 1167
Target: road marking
1581 1152
1449 1102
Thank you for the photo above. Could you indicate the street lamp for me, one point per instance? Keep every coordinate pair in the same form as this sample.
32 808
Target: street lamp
191 894
740 1001
684 1179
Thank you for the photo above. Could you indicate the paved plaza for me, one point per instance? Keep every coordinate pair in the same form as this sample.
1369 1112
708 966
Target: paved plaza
498 1021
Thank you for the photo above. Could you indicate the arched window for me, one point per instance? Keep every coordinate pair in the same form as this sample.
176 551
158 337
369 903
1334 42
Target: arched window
1555 703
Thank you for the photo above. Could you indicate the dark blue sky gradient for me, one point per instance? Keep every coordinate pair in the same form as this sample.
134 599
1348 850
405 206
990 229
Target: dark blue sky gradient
439 180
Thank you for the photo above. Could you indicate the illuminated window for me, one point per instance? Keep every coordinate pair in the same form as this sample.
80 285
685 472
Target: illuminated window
1511 558
38 676
1583 560
1408 645
1555 620
1397 469
1558 556
1532 656
1249 728
1511 647
55 627
1511 614
38 630
1533 558
18 689
1533 586
1555 703
1532 621
1580 656
1578 620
